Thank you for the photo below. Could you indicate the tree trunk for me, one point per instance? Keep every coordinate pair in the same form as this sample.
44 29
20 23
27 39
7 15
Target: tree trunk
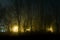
18 13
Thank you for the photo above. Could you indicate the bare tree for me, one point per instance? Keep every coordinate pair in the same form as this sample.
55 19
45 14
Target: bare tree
18 6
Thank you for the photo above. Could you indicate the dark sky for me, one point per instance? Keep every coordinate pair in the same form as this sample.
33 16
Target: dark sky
5 3
48 5
51 4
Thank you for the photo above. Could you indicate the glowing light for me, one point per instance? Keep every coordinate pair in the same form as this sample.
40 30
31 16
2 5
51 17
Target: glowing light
15 29
2 29
50 29
28 29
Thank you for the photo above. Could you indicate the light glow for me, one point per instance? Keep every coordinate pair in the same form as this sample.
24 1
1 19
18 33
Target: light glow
50 29
15 28
28 29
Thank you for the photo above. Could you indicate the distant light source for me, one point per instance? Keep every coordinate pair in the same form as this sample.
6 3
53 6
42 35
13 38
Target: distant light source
3 31
28 30
50 29
15 28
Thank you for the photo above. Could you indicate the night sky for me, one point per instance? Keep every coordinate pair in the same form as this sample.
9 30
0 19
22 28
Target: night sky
5 3
50 3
